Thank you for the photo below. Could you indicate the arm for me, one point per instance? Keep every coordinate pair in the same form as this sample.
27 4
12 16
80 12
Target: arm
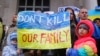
88 49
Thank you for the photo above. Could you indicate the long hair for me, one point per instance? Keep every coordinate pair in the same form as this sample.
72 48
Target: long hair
74 16
73 26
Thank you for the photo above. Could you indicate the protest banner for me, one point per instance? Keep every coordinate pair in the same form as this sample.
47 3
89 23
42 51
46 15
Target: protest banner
43 31
76 9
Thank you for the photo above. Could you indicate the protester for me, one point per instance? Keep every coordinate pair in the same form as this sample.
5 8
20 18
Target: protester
73 23
13 27
85 45
9 29
83 14
96 34
97 21
11 48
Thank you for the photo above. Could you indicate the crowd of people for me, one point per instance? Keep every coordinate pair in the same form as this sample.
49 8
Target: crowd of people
85 38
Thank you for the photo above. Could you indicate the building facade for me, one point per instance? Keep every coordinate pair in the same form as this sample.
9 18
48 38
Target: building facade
10 7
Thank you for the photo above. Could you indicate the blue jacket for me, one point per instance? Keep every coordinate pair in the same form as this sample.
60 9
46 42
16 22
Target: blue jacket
96 33
71 52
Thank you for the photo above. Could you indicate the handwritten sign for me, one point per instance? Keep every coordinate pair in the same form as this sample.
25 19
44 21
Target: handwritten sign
43 31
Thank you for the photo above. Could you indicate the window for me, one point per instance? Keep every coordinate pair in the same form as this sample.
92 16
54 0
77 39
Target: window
98 1
24 5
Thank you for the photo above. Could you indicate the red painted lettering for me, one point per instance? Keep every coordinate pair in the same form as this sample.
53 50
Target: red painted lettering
61 38
66 32
29 36
24 37
48 38
35 38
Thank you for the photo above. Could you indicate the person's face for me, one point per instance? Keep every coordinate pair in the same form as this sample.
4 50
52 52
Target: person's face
98 23
14 42
14 19
71 14
83 14
82 31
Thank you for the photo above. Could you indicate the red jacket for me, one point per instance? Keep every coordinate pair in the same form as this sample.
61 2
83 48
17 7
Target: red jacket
86 42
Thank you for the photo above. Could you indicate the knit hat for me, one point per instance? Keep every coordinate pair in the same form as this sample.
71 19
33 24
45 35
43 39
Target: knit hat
13 36
10 37
84 26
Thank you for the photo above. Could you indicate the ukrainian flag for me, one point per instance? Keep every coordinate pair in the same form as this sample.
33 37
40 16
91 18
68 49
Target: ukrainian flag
93 14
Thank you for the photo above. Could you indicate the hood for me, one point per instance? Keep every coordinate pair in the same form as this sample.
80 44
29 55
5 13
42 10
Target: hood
89 24
11 36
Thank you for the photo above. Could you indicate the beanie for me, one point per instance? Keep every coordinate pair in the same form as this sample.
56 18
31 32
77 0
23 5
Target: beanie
84 26
13 36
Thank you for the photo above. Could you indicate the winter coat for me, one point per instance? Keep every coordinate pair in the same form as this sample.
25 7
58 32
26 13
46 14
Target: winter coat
96 33
9 49
85 45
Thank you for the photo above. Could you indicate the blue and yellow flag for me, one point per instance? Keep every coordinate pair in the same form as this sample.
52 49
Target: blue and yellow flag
93 14
43 31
